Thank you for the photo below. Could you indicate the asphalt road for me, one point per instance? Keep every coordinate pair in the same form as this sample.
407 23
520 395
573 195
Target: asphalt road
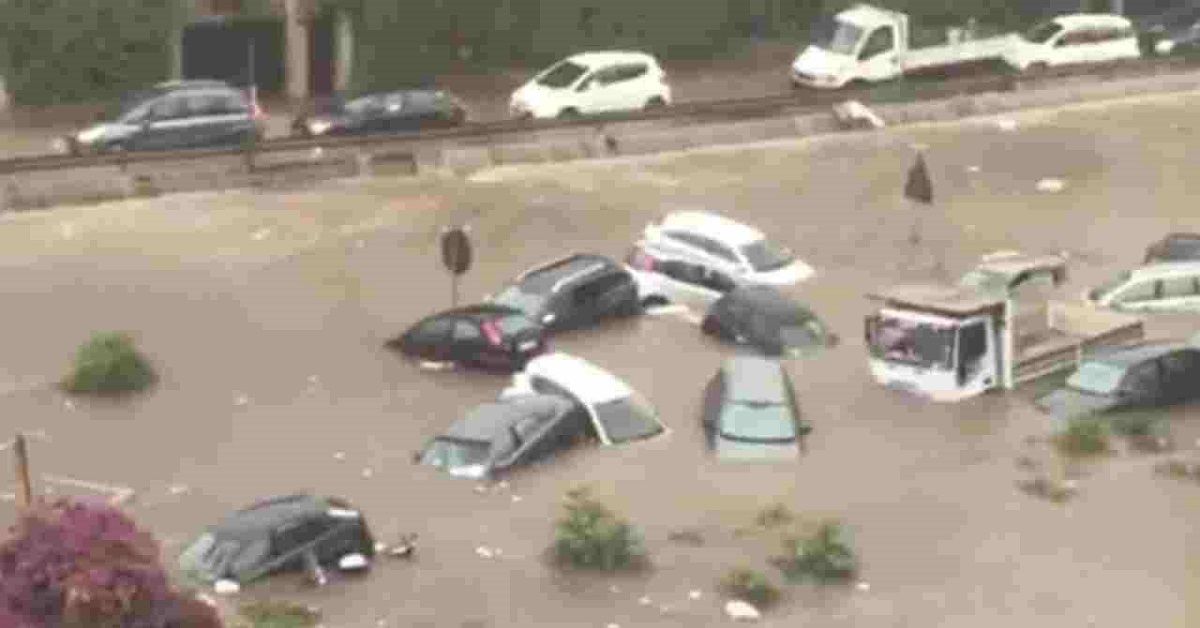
266 313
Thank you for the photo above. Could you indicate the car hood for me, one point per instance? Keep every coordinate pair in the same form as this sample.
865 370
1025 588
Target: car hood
820 62
738 451
1065 404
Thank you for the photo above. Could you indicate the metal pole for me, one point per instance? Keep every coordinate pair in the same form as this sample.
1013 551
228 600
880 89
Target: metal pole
21 466
453 289
253 79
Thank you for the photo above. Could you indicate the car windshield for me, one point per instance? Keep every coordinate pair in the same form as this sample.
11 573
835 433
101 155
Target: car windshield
562 74
529 303
630 418
1097 378
208 559
457 456
763 256
1042 33
912 342
836 36
1106 288
514 324
758 423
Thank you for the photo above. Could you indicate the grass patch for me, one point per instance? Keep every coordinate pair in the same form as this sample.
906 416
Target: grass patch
825 556
591 536
274 614
750 586
1083 438
108 363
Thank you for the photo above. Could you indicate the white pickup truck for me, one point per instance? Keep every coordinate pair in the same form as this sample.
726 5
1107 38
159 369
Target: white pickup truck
868 44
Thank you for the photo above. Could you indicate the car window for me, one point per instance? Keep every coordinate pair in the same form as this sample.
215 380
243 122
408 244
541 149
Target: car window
394 103
1043 32
607 76
562 74
171 107
466 330
708 245
764 256
684 237
294 534
1177 287
214 104
880 41
251 556
628 72
1075 38
757 422
1099 378
433 330
1143 291
1142 378
630 418
595 288
547 387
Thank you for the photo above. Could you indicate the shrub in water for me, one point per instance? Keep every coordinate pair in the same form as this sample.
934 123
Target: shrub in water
827 555
591 536
1136 424
750 586
109 363
278 615
1083 437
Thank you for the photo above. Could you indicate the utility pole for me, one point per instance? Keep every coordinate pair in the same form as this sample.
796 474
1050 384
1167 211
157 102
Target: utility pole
24 488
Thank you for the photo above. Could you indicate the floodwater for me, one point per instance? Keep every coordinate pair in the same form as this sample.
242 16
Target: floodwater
266 314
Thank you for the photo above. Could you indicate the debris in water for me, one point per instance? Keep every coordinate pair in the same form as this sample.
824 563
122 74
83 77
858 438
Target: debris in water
1006 124
226 587
863 586
484 552
516 498
241 400
178 489
436 366
972 168
738 610
366 473
1051 185
694 594
341 455
644 601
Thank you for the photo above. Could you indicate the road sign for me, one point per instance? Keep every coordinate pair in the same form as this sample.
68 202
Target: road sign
456 257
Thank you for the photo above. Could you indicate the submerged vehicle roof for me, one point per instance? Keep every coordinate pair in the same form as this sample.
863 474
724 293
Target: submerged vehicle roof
945 299
262 516
486 421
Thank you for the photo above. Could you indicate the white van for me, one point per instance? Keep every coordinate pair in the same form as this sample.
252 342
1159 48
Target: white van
593 82
1073 39
1171 287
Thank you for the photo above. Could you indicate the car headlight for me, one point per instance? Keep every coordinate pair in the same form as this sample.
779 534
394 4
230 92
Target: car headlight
317 127
1164 46
89 136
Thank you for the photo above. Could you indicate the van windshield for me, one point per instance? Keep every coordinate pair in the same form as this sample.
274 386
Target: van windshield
836 36
910 342
562 74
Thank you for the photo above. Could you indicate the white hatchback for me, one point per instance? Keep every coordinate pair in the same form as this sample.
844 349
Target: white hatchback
1073 39
739 251
591 83
662 281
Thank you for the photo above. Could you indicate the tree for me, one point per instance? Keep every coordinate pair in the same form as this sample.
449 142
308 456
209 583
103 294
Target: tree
76 564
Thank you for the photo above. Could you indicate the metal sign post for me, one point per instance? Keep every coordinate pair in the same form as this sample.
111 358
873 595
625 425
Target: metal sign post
919 188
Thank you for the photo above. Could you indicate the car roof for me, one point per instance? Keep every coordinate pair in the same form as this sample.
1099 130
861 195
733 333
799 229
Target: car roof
754 379
1132 354
766 299
712 225
484 422
1081 20
268 514
605 57
1165 269
867 15
590 383
481 311
554 275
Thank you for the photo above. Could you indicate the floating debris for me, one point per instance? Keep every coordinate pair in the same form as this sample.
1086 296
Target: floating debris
1051 185
694 594
484 552
341 455
1006 124
738 610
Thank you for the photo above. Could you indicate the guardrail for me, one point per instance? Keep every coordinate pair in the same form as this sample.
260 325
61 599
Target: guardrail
739 108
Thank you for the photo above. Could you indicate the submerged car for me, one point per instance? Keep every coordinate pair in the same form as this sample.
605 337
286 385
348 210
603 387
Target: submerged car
1128 378
488 336
493 438
765 319
618 414
727 246
661 281
292 532
750 411
383 112
573 292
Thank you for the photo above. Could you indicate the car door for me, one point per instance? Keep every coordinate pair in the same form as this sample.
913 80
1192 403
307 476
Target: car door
628 86
879 58
466 340
166 126
601 295
596 93
396 114
1181 375
216 119
688 284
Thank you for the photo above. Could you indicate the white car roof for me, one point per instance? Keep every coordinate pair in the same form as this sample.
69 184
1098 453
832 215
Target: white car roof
592 384
1084 20
1166 269
712 225
606 57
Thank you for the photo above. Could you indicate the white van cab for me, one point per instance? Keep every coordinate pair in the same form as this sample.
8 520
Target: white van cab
1168 287
593 82
1075 38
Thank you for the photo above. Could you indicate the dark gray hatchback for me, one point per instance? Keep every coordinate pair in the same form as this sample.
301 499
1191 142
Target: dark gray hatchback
170 116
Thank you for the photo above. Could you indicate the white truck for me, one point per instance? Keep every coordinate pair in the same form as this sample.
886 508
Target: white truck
952 342
868 44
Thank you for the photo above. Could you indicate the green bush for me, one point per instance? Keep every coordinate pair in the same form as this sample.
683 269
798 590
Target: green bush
1083 437
591 536
1136 424
268 614
827 555
109 363
750 586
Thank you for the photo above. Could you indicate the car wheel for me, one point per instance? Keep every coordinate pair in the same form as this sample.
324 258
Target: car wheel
655 103
570 113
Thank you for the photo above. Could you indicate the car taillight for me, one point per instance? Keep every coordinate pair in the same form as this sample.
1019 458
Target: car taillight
643 261
492 333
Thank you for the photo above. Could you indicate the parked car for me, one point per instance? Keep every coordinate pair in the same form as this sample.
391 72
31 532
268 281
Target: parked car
1075 39
1163 287
168 116
495 437
383 112
1016 273
1171 32
593 82
292 532
486 335
662 281
576 291
739 251
750 411
1175 247
618 413
764 318
1128 379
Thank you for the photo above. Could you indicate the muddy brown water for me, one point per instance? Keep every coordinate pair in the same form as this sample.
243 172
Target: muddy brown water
945 537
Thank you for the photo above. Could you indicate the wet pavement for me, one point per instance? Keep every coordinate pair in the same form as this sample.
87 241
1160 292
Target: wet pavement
270 354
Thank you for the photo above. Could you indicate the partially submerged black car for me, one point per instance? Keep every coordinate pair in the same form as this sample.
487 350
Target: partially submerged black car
382 112
487 335
576 291
1137 377
292 532
764 318
495 437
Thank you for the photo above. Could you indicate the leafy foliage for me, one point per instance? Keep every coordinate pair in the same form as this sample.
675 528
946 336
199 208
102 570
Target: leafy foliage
77 564
749 585
827 555
591 536
1083 437
109 363
270 614
1136 424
